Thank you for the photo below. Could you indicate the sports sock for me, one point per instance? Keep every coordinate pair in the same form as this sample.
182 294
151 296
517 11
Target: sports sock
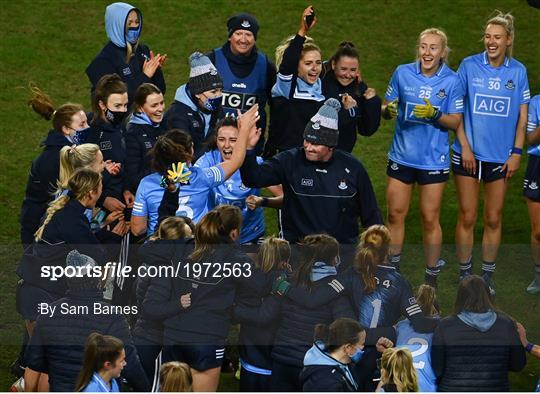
488 268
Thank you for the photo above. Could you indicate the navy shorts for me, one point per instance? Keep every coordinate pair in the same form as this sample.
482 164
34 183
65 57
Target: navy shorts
198 356
485 170
28 297
531 185
411 175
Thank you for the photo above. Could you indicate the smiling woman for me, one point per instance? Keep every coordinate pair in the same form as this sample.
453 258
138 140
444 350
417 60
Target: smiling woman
297 93
143 130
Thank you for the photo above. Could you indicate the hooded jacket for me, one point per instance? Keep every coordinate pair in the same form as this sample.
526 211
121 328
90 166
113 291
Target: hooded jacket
113 147
153 253
57 344
41 184
295 333
112 58
184 114
364 118
68 229
475 351
324 373
141 136
293 103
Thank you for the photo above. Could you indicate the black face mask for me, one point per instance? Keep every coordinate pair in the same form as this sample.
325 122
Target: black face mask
115 117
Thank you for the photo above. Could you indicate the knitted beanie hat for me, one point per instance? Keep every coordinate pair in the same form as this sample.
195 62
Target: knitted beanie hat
204 75
243 22
82 279
322 129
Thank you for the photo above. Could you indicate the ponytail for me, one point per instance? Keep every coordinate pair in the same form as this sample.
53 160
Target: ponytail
81 183
397 368
341 332
506 21
427 300
42 104
175 146
74 157
99 349
317 247
215 228
372 251
273 251
175 377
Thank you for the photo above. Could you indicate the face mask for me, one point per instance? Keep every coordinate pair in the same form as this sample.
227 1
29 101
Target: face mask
133 35
115 117
211 104
78 136
357 356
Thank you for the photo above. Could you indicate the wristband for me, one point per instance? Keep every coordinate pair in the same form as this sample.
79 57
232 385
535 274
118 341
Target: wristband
437 116
264 202
529 347
516 151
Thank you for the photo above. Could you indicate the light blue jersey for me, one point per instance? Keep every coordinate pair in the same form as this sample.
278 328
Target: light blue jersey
420 347
98 385
417 142
233 192
192 200
533 122
493 97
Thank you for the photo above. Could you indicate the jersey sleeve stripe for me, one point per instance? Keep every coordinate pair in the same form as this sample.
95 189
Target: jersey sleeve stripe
285 77
336 285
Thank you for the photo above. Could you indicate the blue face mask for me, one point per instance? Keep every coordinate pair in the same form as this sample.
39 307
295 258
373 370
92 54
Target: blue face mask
133 34
357 356
79 136
211 104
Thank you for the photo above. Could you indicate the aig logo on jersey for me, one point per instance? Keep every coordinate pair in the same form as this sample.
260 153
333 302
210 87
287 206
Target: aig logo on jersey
485 104
307 182
242 101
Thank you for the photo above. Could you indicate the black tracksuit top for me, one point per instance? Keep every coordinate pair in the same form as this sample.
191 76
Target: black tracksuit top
319 197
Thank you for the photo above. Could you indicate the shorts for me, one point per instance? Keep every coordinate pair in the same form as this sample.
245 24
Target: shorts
485 170
28 297
198 356
411 175
531 185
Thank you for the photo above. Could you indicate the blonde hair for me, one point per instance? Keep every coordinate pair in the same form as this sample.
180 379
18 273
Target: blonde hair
172 227
427 300
73 158
444 42
506 21
272 252
175 376
397 368
372 251
309 45
81 183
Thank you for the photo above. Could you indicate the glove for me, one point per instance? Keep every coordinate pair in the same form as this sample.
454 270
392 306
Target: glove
427 111
392 108
179 174
280 286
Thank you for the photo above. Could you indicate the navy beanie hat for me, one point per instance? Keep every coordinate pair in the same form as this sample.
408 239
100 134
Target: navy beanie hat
243 22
